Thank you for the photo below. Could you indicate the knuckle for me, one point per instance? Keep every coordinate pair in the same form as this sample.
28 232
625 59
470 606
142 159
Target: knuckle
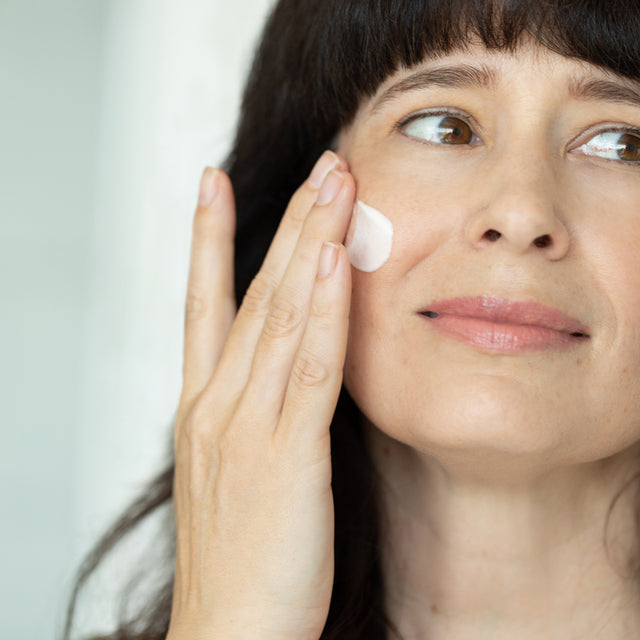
284 317
300 204
194 431
208 229
322 314
203 221
196 448
307 257
196 307
309 371
227 444
259 294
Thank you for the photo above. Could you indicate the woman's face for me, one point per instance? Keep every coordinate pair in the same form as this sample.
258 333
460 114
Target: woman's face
509 178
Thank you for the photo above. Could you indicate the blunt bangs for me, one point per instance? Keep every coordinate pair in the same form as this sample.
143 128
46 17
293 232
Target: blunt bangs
364 41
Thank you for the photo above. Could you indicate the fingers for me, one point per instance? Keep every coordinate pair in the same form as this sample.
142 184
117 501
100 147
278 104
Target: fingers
210 300
286 319
237 357
316 374
210 304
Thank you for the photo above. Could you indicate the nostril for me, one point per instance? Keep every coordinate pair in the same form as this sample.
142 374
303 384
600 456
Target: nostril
542 241
492 235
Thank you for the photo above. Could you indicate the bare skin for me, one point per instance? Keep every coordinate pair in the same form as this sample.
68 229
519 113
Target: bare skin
499 467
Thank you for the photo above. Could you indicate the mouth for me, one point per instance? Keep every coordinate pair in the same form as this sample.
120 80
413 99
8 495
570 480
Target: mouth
504 325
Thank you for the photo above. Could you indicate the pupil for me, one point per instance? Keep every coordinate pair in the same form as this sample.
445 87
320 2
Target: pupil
630 150
453 131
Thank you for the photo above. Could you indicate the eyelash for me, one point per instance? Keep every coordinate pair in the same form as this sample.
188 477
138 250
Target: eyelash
407 120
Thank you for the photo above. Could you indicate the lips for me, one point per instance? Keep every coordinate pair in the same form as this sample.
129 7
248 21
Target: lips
507 325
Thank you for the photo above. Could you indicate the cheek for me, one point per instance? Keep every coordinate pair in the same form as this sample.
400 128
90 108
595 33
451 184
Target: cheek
374 326
426 213
605 220
615 263
381 369
420 209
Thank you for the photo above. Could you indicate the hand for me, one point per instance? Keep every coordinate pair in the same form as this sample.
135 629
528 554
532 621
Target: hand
252 490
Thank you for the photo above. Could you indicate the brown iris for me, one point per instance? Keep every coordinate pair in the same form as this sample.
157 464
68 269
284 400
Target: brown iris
455 131
629 148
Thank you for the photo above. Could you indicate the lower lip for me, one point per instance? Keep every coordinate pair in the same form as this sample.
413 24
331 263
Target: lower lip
498 336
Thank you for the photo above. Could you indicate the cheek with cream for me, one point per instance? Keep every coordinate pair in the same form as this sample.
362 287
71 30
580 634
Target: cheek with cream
369 238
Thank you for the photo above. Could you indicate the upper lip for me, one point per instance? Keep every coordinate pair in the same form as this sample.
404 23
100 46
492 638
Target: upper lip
505 311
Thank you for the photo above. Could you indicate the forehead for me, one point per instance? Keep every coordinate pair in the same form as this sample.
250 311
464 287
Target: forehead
477 67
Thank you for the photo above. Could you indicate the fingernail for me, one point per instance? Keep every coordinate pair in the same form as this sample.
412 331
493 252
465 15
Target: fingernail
330 188
208 187
328 160
328 259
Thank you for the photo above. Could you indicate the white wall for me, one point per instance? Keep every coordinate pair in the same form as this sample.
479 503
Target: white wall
110 110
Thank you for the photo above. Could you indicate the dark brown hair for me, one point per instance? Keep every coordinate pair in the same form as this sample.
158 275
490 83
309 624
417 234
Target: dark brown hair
316 61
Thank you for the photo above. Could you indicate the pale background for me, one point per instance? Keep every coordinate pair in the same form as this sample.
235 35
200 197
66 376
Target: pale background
109 111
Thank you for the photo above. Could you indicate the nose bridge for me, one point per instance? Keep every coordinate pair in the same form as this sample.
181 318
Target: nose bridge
520 211
524 193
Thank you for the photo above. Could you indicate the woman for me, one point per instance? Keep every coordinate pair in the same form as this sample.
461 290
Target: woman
480 472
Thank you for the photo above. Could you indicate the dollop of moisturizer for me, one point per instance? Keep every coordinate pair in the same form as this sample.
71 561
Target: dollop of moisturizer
369 238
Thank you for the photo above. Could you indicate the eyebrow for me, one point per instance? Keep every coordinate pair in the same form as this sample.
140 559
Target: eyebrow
466 76
457 77
605 91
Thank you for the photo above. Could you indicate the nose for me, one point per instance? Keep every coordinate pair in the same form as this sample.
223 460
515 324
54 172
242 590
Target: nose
520 216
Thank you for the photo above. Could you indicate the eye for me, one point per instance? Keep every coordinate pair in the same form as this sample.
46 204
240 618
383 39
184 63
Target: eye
614 145
438 128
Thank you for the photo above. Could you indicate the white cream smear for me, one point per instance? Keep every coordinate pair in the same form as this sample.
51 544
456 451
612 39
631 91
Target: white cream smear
369 238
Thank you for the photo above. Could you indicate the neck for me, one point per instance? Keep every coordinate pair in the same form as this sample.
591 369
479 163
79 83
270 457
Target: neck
491 558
